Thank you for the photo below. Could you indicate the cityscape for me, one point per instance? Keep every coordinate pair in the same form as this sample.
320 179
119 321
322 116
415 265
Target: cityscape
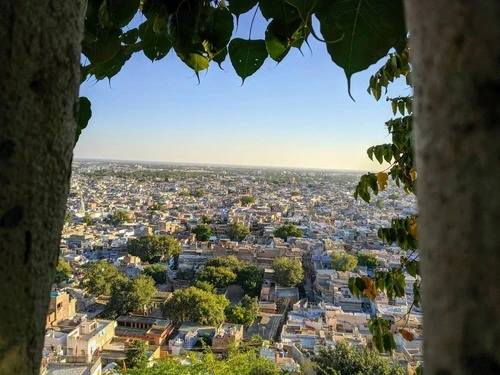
162 260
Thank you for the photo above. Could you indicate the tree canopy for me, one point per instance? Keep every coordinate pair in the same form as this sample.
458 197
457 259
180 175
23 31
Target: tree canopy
243 313
63 271
346 359
237 231
194 304
136 356
247 200
153 248
237 362
220 277
288 272
130 295
119 217
341 261
367 260
157 272
100 277
288 230
202 232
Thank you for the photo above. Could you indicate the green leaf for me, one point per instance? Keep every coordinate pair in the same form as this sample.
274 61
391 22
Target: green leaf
130 37
364 31
401 107
239 7
247 56
196 62
84 115
281 36
117 13
215 29
379 154
220 57
155 46
278 10
394 105
106 45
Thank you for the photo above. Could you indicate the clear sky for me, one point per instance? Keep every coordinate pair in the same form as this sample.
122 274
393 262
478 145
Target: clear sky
294 114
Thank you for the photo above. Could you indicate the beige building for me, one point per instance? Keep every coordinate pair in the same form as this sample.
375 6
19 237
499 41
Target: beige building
226 336
90 337
61 307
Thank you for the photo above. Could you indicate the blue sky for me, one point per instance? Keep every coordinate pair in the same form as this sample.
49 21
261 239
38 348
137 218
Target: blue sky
294 114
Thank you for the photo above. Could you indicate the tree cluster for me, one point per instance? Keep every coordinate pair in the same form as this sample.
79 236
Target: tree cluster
237 231
197 305
203 232
341 261
243 313
63 271
288 230
130 295
223 271
247 200
157 272
346 359
288 272
154 248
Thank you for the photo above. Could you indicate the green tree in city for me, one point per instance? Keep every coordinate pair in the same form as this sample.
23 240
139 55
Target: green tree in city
237 231
250 277
230 262
137 356
367 260
63 271
346 359
206 219
206 286
100 277
200 193
288 230
220 277
243 313
130 295
120 217
193 304
247 200
157 272
88 220
341 261
155 207
288 272
237 362
154 248
202 232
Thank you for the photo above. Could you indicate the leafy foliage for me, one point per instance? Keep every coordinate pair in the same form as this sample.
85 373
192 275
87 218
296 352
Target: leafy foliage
346 359
120 217
403 231
247 200
63 271
242 363
287 272
87 219
136 356
220 277
153 248
130 295
202 232
288 230
250 278
341 261
194 304
367 260
100 277
157 272
237 231
244 313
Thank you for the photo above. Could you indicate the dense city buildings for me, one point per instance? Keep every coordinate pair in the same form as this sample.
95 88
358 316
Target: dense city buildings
239 231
